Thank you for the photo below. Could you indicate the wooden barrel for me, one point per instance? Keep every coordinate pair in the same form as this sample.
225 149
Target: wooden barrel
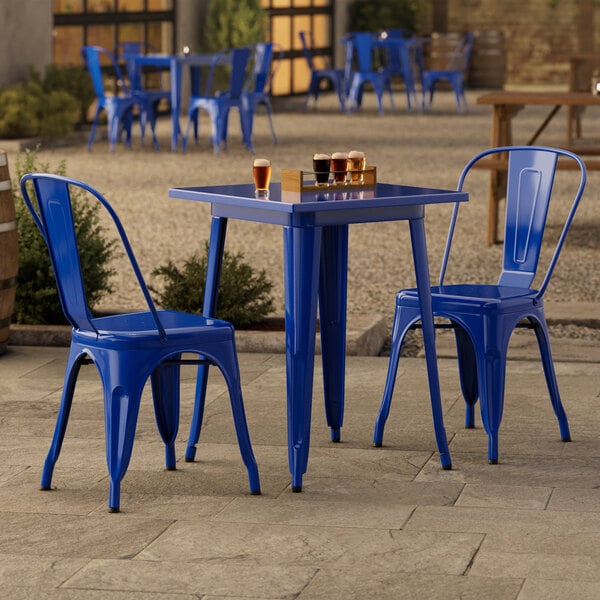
9 256
488 61
441 49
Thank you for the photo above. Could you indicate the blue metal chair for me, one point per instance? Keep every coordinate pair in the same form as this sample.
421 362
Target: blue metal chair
454 72
119 106
319 75
148 85
484 315
219 104
127 349
359 72
257 89
403 57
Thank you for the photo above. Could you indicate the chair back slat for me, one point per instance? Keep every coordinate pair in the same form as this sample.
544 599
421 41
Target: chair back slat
529 189
57 227
239 64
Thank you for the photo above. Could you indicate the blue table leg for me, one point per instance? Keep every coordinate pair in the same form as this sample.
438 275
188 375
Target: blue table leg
301 247
419 248
175 71
333 281
216 247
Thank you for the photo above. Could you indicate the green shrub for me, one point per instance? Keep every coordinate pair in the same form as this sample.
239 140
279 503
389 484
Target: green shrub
73 79
234 23
244 296
366 15
36 299
27 110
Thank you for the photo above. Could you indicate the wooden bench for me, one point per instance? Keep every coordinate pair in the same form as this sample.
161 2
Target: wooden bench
506 105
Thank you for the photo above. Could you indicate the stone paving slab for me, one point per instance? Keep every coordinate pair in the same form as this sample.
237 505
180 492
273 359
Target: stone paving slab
370 523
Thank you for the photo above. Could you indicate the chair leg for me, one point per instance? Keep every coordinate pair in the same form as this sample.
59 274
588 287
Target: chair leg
228 364
122 394
467 368
165 394
198 416
543 340
491 377
72 371
399 330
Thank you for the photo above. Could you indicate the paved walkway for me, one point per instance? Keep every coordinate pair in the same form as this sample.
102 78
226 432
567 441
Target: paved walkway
370 523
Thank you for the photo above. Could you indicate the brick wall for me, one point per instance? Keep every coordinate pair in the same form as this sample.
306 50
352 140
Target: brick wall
536 33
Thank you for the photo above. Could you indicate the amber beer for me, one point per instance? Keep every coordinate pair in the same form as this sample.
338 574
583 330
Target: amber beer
261 171
321 168
357 161
339 166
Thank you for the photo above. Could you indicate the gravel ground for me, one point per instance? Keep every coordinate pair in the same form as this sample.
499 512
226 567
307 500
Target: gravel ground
421 149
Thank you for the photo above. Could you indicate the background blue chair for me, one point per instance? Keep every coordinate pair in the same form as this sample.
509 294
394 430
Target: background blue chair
148 84
319 75
127 349
218 104
257 90
360 70
403 57
484 315
455 72
120 104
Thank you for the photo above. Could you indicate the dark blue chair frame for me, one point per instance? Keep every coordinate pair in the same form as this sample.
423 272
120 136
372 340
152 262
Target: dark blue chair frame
317 76
127 349
360 71
218 104
120 106
484 315
266 58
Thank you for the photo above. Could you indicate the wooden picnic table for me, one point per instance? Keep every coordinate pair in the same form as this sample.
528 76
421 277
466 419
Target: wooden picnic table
506 105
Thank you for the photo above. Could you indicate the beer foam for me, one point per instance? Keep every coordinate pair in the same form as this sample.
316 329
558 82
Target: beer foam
338 155
262 162
321 156
356 154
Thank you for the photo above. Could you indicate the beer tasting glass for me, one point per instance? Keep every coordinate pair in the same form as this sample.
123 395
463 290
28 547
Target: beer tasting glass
357 161
321 168
339 166
261 171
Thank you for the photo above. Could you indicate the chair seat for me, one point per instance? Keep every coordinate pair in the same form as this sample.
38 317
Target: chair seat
141 325
472 296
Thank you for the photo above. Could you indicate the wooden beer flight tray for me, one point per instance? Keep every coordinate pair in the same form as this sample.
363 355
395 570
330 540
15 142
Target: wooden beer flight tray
304 181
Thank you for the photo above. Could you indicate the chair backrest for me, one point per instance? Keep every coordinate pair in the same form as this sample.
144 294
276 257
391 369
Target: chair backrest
92 59
363 50
123 48
265 61
306 41
531 172
52 210
460 57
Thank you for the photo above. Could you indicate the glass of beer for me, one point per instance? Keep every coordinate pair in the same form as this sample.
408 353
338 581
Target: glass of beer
339 166
321 168
357 161
261 171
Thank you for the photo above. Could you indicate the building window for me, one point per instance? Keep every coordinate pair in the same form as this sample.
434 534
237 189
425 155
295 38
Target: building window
106 23
287 18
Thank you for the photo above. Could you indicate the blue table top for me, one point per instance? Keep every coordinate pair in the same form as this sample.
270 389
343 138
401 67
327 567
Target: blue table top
383 202
381 195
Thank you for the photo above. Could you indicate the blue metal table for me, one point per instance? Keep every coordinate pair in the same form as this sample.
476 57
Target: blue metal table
315 235
174 63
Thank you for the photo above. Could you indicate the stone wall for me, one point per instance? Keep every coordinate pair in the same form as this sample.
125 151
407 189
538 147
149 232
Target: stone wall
536 34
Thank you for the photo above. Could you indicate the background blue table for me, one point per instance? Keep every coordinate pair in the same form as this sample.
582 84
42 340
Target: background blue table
315 235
